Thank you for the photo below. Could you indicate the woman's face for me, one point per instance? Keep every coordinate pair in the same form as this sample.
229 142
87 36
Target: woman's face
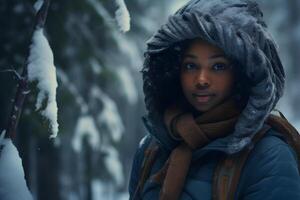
206 76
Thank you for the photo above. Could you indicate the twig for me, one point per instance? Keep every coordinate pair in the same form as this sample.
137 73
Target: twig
23 86
17 75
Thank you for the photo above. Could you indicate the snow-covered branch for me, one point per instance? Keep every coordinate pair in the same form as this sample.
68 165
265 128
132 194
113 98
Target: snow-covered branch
122 16
23 86
41 69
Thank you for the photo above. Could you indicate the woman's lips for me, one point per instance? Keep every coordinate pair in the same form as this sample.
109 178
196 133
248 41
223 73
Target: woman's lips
203 98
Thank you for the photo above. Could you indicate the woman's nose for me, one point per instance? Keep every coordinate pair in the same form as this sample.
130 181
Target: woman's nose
202 80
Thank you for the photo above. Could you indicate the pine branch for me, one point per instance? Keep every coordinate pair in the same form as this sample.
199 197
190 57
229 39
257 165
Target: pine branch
23 85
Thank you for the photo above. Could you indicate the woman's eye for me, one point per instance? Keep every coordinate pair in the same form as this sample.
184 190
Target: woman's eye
189 66
219 67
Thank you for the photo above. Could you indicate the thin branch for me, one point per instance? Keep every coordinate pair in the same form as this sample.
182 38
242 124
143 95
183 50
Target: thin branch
17 75
23 85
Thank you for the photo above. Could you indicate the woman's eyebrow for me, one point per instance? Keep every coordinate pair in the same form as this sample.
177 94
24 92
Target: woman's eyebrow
190 56
217 56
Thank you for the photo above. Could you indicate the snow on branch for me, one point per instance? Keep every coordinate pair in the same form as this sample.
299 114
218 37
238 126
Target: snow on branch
41 69
109 116
86 126
12 180
113 164
38 5
122 16
127 84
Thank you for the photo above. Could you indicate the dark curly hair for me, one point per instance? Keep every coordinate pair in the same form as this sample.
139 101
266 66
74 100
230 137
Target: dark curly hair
161 77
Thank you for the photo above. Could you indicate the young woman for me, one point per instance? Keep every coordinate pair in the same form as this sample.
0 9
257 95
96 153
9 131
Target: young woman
212 75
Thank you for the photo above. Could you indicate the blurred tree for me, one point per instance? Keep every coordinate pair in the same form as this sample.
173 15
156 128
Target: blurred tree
98 71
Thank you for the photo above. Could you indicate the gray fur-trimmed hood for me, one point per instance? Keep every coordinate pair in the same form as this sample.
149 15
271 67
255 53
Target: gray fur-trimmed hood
237 27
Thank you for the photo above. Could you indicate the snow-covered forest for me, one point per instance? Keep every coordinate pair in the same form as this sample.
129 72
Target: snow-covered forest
97 50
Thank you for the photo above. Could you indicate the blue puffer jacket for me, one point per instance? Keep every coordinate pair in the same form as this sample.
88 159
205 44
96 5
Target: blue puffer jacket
271 171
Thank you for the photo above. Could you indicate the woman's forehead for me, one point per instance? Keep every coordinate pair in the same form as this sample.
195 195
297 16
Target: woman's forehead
200 48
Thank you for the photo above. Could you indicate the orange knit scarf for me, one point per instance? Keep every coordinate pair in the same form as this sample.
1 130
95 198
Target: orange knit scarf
194 133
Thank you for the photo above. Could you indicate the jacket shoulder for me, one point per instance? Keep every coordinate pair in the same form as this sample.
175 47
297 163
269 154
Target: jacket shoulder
270 141
271 164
